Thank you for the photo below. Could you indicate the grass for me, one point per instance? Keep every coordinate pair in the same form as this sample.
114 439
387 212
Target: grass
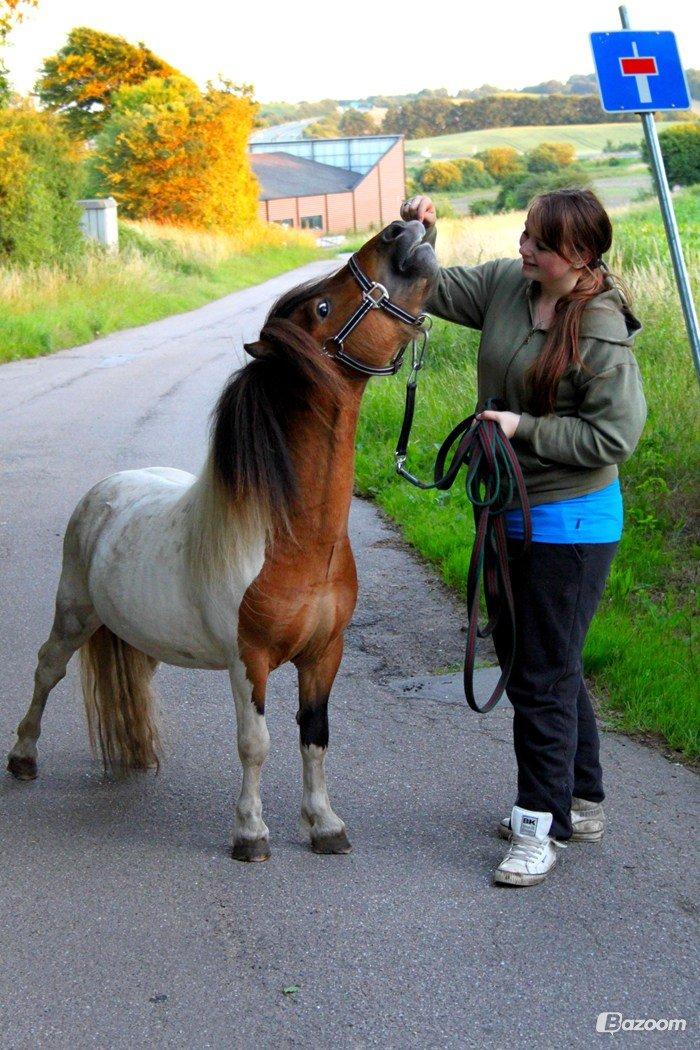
588 139
640 651
158 271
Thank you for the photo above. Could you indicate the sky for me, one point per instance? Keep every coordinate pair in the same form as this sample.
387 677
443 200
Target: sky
309 49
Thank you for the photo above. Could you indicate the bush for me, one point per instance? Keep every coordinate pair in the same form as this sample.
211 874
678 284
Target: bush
517 192
39 186
474 174
501 161
482 207
550 156
438 176
681 152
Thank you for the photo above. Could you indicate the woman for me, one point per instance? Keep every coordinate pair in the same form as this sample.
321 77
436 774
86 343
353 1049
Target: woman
556 348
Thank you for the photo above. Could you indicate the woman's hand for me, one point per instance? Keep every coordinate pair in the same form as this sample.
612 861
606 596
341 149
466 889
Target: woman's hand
421 208
508 420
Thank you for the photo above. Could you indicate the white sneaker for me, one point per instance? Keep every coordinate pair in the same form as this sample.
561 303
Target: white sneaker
587 821
532 853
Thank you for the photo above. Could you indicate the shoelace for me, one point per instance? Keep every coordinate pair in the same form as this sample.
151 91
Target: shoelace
529 850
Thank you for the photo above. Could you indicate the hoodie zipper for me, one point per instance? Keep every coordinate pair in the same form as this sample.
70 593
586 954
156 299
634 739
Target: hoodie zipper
513 356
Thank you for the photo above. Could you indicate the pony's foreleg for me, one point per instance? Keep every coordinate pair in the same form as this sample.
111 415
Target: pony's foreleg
251 834
316 679
75 621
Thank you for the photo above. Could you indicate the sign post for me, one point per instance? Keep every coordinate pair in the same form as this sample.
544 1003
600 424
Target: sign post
641 72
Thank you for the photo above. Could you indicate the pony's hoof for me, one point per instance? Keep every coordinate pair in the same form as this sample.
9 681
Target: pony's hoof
22 767
252 851
336 843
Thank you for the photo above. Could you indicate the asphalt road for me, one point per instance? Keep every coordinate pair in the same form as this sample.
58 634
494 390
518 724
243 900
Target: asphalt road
124 922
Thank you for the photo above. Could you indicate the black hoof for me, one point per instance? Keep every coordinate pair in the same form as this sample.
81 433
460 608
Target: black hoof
338 843
22 767
252 851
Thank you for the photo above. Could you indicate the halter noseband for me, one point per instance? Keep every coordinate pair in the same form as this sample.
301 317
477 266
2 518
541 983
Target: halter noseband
374 297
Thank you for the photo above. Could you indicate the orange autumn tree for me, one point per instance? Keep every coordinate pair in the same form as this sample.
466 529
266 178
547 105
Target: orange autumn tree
80 79
172 154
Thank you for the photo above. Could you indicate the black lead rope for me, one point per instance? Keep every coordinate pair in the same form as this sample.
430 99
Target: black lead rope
492 476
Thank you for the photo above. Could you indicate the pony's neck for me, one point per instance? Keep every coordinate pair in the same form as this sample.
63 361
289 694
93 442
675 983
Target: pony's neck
323 453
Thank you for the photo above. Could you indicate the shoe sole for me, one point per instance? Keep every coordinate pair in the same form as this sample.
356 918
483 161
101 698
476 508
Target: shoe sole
578 836
512 878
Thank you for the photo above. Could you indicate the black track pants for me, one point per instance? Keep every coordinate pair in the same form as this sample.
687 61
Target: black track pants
557 588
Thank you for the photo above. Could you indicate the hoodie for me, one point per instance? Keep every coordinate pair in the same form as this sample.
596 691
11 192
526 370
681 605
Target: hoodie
600 408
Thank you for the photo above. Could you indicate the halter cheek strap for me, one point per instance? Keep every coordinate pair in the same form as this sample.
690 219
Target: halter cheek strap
374 297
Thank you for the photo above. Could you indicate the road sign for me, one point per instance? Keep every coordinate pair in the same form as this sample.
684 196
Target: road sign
639 72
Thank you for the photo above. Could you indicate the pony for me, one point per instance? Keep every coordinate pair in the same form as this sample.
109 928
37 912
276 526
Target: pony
248 565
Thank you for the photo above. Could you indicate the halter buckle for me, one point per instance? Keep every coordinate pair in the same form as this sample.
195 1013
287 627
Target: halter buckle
376 299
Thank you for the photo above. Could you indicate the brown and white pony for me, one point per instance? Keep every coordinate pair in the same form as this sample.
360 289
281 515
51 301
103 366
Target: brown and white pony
245 567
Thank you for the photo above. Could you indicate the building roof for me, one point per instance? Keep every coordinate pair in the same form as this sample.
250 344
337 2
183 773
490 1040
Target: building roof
282 175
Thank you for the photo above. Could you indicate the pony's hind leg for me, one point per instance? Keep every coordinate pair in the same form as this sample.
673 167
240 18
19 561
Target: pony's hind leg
327 830
74 622
251 839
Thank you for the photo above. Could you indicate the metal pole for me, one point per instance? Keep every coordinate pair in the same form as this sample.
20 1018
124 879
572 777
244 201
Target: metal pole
670 224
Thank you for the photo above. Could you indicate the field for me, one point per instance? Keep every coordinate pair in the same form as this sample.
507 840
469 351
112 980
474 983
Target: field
158 271
589 139
640 652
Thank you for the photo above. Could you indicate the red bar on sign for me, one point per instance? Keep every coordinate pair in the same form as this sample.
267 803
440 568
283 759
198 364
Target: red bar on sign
636 67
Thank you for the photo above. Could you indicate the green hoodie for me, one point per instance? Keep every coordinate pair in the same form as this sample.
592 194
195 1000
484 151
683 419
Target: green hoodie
600 407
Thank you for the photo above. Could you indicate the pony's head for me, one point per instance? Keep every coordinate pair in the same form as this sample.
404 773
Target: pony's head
294 373
395 260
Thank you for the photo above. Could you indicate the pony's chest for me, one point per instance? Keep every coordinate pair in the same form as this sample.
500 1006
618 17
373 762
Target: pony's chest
300 601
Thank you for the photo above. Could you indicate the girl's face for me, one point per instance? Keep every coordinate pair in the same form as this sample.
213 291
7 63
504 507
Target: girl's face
541 263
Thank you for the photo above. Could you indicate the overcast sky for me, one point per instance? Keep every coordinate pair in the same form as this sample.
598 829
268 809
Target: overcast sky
310 49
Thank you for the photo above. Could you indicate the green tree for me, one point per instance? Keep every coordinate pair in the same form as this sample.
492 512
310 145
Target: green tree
473 173
353 122
680 147
78 82
550 156
39 184
517 190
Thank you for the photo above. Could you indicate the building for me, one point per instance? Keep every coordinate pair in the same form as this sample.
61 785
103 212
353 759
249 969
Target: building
330 185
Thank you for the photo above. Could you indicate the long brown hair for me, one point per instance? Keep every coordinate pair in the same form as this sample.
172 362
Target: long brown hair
570 222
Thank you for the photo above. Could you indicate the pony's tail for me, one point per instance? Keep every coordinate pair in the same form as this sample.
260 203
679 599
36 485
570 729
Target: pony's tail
119 702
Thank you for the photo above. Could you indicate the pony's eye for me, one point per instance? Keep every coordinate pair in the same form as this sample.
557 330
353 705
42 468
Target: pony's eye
324 308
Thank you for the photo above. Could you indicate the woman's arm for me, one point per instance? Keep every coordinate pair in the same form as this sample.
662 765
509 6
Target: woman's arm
606 429
461 293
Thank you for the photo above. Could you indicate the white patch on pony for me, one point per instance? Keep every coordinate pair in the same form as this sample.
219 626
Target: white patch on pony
317 816
253 749
136 531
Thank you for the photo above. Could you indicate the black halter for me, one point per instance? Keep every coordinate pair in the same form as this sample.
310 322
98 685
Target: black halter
374 297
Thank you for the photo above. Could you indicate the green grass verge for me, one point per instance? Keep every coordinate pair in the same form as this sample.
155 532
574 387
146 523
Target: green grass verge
52 309
640 650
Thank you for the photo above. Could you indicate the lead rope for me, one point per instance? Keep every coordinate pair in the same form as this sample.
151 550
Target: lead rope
493 474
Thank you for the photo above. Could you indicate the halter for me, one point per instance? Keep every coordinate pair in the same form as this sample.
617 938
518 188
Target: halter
374 297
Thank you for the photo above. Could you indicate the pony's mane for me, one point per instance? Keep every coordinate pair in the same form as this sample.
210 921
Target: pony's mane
250 456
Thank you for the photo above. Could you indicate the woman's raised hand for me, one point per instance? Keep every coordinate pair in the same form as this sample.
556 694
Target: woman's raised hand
421 208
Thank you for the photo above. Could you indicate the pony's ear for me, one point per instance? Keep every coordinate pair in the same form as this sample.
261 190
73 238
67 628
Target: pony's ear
256 349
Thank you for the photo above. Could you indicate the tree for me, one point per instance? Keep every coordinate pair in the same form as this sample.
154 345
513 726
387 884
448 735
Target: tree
473 173
169 153
39 184
353 122
550 156
500 161
326 128
517 190
439 175
11 13
680 147
78 82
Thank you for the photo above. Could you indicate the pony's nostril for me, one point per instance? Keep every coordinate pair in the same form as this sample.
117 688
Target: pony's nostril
393 231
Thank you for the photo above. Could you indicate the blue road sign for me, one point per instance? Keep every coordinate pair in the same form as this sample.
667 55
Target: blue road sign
639 72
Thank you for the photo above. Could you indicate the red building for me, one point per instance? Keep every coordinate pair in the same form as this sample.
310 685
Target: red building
331 185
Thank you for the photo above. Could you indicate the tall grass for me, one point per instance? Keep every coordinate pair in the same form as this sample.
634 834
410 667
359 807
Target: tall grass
158 271
640 650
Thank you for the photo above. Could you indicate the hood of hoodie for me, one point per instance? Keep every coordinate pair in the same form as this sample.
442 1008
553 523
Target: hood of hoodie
607 316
